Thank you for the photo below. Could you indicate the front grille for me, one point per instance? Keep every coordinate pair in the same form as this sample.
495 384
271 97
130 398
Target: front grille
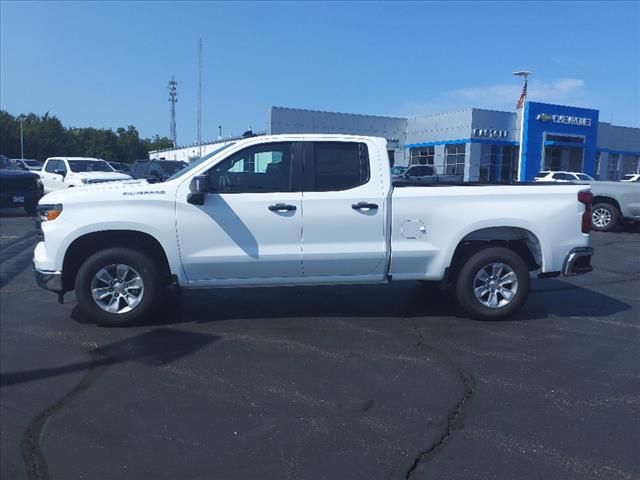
18 185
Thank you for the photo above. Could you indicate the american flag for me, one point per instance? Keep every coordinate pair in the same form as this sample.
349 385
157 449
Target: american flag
523 96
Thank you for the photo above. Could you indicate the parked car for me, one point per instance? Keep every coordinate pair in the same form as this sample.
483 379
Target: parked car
236 217
120 167
424 174
19 188
29 164
398 170
632 177
546 176
613 203
156 170
65 172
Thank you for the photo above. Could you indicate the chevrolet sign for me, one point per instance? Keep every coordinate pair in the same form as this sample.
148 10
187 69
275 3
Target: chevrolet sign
565 119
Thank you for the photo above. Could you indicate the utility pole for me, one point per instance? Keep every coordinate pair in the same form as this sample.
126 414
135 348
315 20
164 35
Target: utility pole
200 97
173 98
21 139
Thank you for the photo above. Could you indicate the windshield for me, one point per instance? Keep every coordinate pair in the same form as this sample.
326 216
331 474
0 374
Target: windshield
33 163
584 176
8 164
193 165
120 166
90 166
170 168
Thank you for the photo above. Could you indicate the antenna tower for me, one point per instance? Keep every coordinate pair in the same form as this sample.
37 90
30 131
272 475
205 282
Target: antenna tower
200 96
173 98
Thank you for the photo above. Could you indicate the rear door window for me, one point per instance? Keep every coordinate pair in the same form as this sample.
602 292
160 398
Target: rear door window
336 166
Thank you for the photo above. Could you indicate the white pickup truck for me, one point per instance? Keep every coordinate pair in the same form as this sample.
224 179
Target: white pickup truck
65 172
305 210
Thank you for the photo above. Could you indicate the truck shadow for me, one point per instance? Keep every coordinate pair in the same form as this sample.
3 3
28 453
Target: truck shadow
401 300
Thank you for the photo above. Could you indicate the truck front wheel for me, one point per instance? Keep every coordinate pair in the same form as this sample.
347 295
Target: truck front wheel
118 286
604 217
492 284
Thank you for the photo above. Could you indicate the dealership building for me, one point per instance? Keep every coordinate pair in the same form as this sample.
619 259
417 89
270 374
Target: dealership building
482 145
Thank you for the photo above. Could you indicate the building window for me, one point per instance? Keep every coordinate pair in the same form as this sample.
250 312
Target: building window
510 158
489 166
630 164
552 159
454 158
422 155
597 167
612 166
564 139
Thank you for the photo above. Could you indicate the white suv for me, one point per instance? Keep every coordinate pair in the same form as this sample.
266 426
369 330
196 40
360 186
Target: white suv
65 172
562 177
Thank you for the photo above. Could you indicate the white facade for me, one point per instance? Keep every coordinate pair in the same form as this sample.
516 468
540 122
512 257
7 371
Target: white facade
187 154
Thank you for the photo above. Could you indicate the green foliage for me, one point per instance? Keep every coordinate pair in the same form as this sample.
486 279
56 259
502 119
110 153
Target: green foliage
45 136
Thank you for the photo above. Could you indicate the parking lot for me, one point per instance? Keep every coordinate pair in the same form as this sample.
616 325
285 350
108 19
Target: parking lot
356 382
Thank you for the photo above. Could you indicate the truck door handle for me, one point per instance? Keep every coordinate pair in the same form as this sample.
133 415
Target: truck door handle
282 207
364 206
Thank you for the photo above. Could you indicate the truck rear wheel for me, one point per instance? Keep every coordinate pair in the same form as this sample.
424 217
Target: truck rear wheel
492 284
118 286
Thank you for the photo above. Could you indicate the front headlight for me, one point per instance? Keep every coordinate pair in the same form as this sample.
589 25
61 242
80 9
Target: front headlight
49 212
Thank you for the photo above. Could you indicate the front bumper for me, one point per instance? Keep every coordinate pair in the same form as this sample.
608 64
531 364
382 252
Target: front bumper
49 280
19 199
578 261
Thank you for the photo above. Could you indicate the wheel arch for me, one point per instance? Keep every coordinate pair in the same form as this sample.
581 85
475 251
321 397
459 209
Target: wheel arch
88 244
605 199
520 240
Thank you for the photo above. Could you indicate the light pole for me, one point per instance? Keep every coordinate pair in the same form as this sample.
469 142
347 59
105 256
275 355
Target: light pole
520 110
21 138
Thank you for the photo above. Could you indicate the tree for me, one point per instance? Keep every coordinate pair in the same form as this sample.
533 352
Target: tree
45 136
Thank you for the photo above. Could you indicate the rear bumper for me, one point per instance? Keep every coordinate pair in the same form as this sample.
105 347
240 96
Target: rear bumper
49 280
578 261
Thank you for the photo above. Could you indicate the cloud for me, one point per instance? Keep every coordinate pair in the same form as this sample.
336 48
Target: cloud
564 91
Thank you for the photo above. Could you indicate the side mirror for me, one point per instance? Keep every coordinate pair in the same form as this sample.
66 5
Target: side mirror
59 171
200 186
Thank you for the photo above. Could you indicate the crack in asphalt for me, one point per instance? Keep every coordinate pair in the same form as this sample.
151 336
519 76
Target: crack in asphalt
34 460
456 415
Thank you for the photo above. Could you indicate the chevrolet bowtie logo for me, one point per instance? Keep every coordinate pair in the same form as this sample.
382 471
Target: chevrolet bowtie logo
545 117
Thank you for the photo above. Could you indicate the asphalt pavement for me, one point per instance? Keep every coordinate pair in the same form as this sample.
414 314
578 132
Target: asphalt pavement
342 382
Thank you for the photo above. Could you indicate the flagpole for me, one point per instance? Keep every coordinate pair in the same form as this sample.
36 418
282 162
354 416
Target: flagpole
520 109
521 149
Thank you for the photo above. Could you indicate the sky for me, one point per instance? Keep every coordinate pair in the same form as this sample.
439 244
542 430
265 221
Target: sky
107 64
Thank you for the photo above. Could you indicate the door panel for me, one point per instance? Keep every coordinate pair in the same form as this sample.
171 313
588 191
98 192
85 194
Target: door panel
344 212
250 227
237 236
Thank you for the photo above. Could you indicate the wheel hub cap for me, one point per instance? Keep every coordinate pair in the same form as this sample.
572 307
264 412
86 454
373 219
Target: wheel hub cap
495 285
117 288
601 217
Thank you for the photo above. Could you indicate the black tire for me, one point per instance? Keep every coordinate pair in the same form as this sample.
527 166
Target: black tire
143 265
602 212
467 275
